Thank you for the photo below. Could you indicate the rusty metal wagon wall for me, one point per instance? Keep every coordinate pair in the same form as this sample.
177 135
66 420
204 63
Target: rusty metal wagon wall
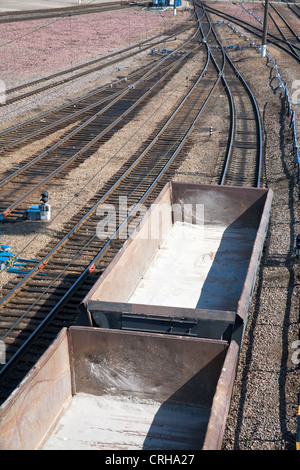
159 358
190 266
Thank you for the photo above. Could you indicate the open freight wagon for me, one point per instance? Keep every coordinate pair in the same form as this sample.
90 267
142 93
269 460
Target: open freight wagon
155 369
97 389
190 266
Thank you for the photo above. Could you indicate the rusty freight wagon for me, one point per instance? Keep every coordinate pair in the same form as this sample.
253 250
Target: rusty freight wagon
190 266
156 367
98 389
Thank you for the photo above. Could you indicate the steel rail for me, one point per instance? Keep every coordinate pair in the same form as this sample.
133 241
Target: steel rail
258 122
63 107
116 184
91 265
292 46
232 107
231 102
289 43
72 77
42 263
170 32
55 172
9 209
114 97
58 122
63 81
297 13
279 42
73 102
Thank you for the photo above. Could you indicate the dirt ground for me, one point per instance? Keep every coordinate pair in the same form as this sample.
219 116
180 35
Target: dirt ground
37 48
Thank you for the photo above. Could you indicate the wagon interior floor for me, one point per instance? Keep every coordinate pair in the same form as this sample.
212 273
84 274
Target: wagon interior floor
119 422
198 266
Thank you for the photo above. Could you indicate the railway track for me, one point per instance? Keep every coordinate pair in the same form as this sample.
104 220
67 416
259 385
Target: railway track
64 115
258 32
295 9
243 161
97 120
63 77
285 30
255 431
68 267
241 165
29 15
46 299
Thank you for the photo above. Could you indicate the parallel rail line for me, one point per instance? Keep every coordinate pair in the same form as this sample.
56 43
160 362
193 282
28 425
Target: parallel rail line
88 135
66 114
243 159
285 30
34 309
29 15
295 9
67 266
64 76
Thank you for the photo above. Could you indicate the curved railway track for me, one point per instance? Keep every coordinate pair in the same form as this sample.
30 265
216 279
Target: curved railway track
35 308
279 399
97 120
241 165
244 157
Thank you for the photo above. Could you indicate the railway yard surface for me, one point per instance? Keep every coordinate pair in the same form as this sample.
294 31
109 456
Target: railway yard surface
264 408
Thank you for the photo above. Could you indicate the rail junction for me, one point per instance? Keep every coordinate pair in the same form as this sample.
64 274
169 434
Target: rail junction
43 294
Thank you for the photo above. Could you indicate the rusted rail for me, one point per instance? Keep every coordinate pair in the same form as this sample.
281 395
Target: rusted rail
278 41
